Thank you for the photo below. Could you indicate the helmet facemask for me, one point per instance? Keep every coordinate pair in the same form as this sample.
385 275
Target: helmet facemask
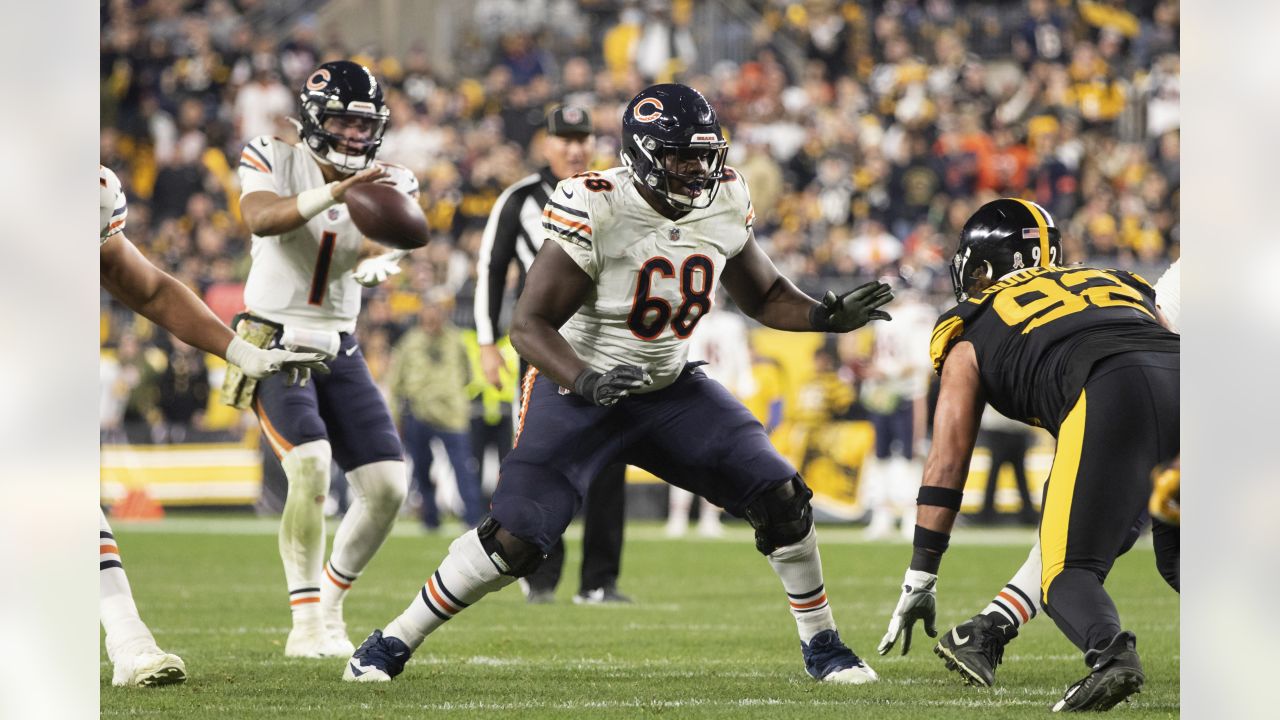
657 163
324 144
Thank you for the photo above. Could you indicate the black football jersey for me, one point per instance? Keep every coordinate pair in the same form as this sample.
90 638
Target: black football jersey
1038 334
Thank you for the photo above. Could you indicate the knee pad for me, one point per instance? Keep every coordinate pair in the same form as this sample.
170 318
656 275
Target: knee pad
307 467
781 516
381 485
514 557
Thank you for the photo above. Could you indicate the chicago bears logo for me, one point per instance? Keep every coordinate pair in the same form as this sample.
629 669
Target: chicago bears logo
319 80
645 117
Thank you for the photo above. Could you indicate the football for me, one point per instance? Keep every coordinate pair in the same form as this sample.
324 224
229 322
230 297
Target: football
388 216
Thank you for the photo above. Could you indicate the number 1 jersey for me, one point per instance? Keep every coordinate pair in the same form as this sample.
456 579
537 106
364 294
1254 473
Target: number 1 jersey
655 278
1038 333
304 276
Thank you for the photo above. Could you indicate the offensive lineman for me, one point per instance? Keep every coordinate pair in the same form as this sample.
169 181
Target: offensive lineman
303 291
607 307
1087 355
149 291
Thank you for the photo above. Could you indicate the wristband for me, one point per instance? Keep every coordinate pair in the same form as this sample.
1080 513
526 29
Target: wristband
237 351
316 200
584 384
929 546
939 497
820 317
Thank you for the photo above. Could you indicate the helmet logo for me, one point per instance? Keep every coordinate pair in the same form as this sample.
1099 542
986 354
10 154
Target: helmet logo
647 117
1017 260
704 138
1030 233
319 79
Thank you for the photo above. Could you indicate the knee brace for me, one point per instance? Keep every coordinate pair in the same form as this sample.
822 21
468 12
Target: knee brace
781 516
381 485
513 557
307 467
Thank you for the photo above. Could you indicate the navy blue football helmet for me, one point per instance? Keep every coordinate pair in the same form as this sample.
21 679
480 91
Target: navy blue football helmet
1002 236
668 123
341 88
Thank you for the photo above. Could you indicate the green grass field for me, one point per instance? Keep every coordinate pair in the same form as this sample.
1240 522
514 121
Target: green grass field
708 636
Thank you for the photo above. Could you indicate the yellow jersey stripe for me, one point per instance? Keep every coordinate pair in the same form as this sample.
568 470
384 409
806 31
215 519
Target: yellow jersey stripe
1056 516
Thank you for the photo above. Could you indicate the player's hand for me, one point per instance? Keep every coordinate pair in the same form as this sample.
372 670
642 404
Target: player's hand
258 363
605 389
852 310
375 270
372 174
491 365
917 602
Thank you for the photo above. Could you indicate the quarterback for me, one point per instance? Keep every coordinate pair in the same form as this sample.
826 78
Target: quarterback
604 320
151 292
1085 354
303 292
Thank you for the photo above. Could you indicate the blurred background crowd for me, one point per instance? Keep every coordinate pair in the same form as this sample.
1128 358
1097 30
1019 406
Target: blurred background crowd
868 132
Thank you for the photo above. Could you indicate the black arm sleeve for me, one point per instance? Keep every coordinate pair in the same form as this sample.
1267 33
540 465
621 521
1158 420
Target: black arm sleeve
497 250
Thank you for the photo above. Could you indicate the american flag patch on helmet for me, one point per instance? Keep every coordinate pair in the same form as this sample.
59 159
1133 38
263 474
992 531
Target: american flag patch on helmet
1030 233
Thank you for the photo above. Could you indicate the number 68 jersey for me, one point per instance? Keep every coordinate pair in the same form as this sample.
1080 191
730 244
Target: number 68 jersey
655 278
303 276
1038 333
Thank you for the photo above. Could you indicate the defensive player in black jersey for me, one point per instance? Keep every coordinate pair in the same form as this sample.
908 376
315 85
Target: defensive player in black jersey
1086 354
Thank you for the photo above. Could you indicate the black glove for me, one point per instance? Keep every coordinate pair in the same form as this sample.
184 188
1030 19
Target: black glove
851 310
608 388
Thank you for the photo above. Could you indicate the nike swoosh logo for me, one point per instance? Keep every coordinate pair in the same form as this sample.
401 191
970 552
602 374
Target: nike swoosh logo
351 351
566 192
355 669
959 640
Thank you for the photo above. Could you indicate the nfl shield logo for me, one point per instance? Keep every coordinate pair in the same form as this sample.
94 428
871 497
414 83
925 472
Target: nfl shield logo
674 235
333 214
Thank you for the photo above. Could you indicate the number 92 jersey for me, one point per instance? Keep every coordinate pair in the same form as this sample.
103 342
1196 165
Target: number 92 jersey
304 276
1039 332
655 278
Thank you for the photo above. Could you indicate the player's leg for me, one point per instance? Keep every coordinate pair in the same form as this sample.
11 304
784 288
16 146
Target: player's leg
709 519
135 658
904 471
701 438
291 424
603 523
417 443
367 447
563 443
1167 540
875 474
466 472
1122 425
678 503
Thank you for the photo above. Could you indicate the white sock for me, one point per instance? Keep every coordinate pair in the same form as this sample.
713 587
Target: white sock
466 575
1019 601
302 527
126 633
379 489
678 502
799 566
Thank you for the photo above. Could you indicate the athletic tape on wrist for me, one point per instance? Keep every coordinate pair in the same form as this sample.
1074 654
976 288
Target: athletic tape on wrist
316 200
939 497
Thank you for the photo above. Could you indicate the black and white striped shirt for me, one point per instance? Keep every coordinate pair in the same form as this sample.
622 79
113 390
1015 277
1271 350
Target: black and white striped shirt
514 231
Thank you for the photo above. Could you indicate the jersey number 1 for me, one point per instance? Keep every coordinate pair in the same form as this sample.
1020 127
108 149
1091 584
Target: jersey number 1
650 314
324 258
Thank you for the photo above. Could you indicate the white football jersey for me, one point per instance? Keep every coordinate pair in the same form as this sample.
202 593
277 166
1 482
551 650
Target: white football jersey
655 277
1169 293
112 207
303 277
723 342
900 355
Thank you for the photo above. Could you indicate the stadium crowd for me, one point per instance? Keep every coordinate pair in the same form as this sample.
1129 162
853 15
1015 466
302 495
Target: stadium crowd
868 132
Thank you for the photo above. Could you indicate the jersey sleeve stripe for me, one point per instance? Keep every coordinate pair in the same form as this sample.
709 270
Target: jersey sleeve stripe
251 162
261 156
568 210
569 224
567 234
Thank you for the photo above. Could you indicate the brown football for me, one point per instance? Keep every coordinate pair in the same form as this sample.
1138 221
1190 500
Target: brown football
386 215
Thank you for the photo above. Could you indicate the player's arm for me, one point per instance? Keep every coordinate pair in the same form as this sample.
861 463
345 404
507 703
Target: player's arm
160 297
267 213
497 250
764 294
553 291
955 429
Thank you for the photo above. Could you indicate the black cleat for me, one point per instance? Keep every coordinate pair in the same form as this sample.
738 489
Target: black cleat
974 648
1117 674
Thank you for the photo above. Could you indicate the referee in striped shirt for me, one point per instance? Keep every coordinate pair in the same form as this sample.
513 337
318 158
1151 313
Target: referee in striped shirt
514 232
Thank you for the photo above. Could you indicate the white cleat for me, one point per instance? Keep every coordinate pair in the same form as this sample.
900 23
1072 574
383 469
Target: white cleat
853 676
356 672
149 669
337 630
310 641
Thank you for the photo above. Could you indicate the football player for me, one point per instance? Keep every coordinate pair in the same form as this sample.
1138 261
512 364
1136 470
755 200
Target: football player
161 298
1087 355
975 648
303 291
633 260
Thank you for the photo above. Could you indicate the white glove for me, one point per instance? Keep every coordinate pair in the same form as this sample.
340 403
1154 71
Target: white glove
918 602
258 363
373 271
